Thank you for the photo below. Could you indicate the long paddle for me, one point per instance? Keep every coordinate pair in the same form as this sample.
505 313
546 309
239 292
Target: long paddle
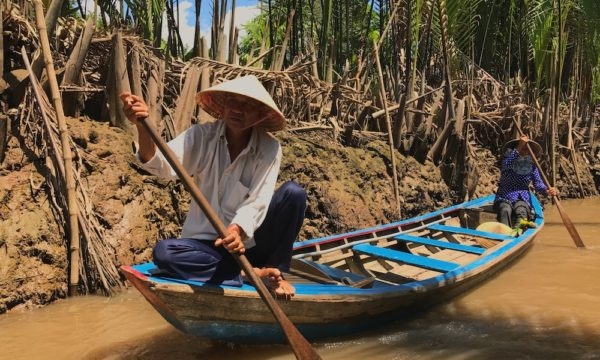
301 347
565 218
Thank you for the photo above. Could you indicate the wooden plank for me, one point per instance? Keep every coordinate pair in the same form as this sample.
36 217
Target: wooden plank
333 273
471 232
394 255
440 244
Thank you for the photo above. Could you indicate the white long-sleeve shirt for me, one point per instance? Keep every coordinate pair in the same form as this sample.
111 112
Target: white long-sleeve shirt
239 192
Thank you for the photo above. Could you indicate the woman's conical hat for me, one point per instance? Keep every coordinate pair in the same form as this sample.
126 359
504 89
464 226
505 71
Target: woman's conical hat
535 147
495 227
214 99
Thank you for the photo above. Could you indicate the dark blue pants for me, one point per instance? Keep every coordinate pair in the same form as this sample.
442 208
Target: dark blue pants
200 260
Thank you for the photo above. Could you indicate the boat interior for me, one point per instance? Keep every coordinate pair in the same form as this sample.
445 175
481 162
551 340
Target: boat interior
400 254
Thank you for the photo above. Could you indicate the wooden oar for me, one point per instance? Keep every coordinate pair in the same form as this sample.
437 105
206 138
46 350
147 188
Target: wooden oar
565 218
301 347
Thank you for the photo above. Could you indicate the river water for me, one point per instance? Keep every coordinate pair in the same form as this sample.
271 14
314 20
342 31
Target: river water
545 306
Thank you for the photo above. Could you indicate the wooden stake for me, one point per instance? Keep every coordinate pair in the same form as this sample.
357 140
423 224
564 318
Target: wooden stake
389 128
65 140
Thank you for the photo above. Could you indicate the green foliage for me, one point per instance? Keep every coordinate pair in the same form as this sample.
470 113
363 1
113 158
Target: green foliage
352 25
143 13
464 23
255 29
541 30
521 226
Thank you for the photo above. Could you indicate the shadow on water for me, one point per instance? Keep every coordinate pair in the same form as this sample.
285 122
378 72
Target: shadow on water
171 344
450 331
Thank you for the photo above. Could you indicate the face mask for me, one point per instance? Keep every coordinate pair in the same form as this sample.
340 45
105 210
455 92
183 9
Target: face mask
523 165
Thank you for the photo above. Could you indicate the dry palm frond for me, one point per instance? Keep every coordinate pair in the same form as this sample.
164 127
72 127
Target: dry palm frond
97 260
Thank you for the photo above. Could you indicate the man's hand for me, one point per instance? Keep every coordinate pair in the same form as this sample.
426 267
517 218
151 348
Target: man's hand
552 191
233 240
134 107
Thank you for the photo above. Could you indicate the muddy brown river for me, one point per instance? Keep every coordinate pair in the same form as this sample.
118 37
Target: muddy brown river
545 306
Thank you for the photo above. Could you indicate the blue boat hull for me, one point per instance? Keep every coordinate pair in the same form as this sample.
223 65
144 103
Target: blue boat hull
409 265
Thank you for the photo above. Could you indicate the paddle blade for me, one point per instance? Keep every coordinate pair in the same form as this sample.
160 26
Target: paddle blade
301 347
569 225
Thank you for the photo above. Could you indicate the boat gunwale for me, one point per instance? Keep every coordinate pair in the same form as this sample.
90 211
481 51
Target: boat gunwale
383 227
310 292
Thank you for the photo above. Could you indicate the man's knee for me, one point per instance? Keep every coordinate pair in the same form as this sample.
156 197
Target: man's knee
161 253
294 192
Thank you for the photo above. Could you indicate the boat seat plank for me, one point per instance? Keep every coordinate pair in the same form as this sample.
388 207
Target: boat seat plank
344 277
471 232
440 244
400 256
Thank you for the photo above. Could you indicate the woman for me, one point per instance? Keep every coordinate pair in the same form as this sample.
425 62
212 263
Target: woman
518 171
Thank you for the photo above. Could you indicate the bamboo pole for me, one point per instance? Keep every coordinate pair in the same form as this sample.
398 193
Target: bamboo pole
389 128
66 148
106 271
54 8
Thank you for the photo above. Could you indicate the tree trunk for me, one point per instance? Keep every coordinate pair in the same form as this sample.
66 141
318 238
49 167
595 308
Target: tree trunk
121 82
278 64
197 35
203 116
233 34
187 100
222 47
155 94
135 72
329 59
50 19
325 41
592 131
234 58
436 150
73 68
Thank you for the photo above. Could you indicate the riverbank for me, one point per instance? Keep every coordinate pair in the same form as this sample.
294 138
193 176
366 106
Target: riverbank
348 188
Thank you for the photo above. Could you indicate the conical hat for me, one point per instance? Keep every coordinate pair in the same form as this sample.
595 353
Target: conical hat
495 227
535 147
214 99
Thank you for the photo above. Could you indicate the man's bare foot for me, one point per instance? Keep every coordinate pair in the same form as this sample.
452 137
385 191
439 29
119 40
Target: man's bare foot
275 282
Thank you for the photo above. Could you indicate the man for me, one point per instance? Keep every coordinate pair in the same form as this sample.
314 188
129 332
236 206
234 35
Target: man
517 172
235 163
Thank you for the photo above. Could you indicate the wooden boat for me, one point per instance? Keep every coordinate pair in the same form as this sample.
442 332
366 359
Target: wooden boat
350 282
